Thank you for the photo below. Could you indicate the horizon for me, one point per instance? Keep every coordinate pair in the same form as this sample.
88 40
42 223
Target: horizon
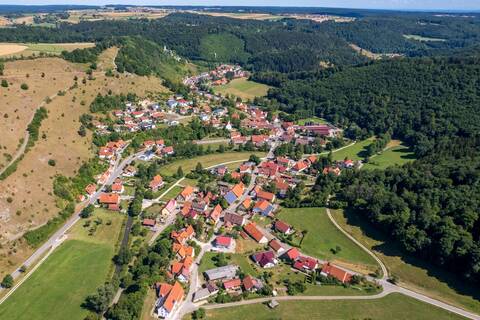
392 5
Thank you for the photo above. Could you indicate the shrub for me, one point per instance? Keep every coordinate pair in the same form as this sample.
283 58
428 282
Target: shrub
4 83
52 162
24 86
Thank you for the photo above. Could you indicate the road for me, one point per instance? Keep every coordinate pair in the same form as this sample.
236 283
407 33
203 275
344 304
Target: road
52 241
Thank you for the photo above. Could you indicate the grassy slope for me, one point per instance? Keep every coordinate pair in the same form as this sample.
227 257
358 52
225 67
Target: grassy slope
59 286
243 88
394 306
353 152
413 273
323 236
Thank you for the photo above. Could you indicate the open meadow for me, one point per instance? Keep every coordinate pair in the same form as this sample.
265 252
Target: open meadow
243 88
412 273
396 154
322 238
58 287
393 306
26 196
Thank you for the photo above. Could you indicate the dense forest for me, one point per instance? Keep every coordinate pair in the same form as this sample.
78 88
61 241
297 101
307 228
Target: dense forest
430 206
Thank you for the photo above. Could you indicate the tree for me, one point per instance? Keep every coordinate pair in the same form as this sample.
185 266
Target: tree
87 211
7 281
199 168
254 158
82 131
99 301
180 172
199 314
4 83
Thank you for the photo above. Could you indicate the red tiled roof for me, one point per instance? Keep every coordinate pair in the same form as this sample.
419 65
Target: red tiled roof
231 284
223 241
293 254
265 195
336 272
148 222
109 198
253 232
281 226
275 245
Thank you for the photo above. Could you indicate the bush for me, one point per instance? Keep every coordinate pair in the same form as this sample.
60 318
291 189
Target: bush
4 83
52 162
24 86
7 281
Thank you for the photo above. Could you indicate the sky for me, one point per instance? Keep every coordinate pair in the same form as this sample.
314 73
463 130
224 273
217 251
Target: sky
367 4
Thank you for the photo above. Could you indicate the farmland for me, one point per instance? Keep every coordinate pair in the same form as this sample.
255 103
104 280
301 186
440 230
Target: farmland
393 306
59 286
412 272
29 49
243 88
322 238
27 200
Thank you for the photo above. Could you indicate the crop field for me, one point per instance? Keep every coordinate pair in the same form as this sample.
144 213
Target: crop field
243 88
59 286
412 273
322 238
28 49
393 306
26 196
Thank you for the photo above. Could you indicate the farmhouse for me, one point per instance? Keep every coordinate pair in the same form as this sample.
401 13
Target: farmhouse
329 269
252 230
226 272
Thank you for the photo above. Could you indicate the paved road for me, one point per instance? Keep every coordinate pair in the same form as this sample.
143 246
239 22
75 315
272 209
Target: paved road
51 242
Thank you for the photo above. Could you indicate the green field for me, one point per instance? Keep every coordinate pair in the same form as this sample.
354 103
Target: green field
413 273
397 155
394 306
207 161
59 286
422 39
354 152
322 236
316 120
243 88
172 193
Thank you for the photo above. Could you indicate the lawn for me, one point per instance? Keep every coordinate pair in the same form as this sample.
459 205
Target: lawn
243 88
243 261
398 154
354 152
322 237
393 306
172 193
315 120
412 273
59 286
207 161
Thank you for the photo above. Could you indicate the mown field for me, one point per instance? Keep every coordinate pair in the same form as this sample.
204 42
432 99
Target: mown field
243 88
207 161
322 237
393 306
396 154
354 152
58 287
412 273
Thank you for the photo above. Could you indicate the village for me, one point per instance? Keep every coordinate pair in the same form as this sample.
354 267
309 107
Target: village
237 204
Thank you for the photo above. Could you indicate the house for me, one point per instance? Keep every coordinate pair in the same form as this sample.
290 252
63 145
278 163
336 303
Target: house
264 195
276 246
156 183
263 207
329 269
283 227
129 171
235 193
223 242
305 264
259 139
168 151
181 269
251 284
148 223
91 188
205 293
169 207
265 259
331 170
234 219
226 272
105 153
282 187
292 254
186 194
117 186
252 230
182 251
232 284
246 204
169 297
214 215
300 166
109 199
183 235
